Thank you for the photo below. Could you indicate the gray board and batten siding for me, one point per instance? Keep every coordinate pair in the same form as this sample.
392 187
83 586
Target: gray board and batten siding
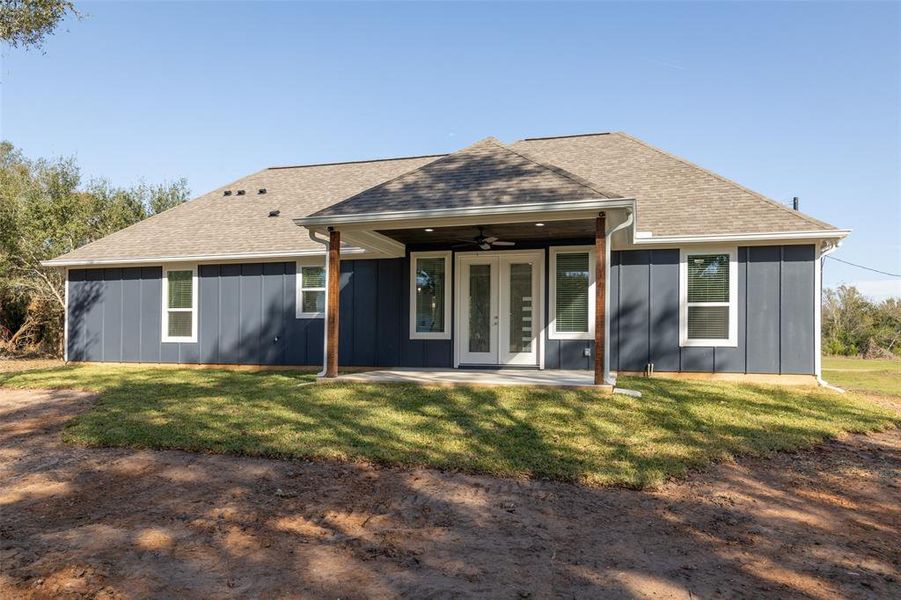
247 316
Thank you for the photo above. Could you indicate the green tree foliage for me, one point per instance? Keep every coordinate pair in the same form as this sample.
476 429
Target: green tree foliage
45 211
27 23
852 324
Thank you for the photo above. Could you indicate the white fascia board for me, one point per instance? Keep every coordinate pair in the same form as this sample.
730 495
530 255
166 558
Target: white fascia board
742 237
453 216
378 244
209 258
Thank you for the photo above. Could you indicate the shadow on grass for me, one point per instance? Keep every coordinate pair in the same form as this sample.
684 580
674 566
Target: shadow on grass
175 524
570 435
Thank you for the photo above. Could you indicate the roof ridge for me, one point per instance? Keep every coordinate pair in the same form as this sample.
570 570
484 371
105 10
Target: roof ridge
725 180
572 135
352 162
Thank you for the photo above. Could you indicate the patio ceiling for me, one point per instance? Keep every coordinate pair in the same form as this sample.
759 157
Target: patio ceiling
515 232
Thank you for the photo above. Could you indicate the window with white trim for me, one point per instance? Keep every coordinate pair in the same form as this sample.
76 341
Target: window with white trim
572 294
310 290
430 295
180 304
708 290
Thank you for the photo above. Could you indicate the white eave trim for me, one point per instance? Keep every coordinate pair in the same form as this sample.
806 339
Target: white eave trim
743 237
209 258
466 211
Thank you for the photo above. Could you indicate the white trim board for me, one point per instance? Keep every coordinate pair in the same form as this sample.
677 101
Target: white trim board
552 294
164 305
539 309
732 340
299 289
448 296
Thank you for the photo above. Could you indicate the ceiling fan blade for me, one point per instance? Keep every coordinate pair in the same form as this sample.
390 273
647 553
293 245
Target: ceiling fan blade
503 244
485 246
490 240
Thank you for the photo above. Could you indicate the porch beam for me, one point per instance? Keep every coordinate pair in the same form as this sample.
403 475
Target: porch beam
600 295
334 303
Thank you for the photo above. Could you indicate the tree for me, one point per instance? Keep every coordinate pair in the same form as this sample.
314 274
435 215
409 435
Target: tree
45 212
27 23
852 324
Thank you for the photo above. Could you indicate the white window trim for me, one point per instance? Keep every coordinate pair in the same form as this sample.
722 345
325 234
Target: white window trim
448 278
166 338
732 340
299 289
553 334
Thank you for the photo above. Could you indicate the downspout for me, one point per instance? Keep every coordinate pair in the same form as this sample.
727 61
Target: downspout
831 246
324 241
628 222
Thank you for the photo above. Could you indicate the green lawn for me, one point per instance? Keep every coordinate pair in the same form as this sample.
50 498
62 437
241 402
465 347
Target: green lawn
867 376
512 431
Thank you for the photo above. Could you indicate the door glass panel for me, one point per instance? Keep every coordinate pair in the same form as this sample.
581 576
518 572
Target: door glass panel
480 308
521 303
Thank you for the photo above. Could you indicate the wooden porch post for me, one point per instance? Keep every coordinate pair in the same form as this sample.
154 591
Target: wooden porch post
600 296
334 303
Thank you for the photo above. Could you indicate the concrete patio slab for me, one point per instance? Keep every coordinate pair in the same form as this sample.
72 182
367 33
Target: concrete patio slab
556 378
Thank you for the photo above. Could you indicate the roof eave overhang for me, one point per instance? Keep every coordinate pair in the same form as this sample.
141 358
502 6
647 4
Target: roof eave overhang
765 236
205 258
571 209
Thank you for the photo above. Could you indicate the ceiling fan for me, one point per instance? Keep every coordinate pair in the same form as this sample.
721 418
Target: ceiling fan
485 242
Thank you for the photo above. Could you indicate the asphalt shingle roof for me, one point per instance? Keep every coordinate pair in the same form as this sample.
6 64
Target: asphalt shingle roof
487 173
674 197
214 224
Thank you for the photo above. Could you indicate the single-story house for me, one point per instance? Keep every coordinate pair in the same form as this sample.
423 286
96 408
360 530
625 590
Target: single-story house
596 252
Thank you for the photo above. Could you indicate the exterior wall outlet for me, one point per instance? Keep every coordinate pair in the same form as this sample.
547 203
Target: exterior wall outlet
586 351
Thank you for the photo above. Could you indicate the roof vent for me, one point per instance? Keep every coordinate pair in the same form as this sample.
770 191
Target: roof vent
227 193
274 213
240 192
796 204
261 191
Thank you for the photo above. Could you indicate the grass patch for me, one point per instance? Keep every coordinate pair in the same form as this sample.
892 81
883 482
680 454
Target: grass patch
867 376
574 435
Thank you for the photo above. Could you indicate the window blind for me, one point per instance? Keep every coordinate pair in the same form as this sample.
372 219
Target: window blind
180 323
708 322
708 278
708 296
572 288
180 289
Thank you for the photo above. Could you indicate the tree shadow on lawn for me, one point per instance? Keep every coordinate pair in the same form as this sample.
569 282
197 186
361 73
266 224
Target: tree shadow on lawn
569 435
151 524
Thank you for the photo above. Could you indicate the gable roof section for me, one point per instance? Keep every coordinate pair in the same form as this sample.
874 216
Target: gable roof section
217 225
673 196
486 174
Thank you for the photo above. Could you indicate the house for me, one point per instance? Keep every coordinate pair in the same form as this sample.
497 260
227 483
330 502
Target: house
596 252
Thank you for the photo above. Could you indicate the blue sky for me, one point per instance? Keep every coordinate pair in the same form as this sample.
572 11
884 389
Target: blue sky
788 99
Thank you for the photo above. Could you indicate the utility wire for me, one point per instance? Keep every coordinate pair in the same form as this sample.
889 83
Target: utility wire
863 267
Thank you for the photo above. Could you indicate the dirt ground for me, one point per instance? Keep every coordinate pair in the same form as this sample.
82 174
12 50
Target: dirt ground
112 523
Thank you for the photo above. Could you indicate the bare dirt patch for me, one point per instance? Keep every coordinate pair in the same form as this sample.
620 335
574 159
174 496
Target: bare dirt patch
116 523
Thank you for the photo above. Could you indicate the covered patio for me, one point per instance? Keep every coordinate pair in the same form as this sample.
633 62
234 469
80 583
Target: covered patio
488 234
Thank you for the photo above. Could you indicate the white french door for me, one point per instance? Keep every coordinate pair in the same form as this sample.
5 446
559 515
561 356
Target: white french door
500 311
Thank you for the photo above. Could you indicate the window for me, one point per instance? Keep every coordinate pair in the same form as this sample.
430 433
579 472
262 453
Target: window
572 293
310 290
708 289
430 295
180 304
